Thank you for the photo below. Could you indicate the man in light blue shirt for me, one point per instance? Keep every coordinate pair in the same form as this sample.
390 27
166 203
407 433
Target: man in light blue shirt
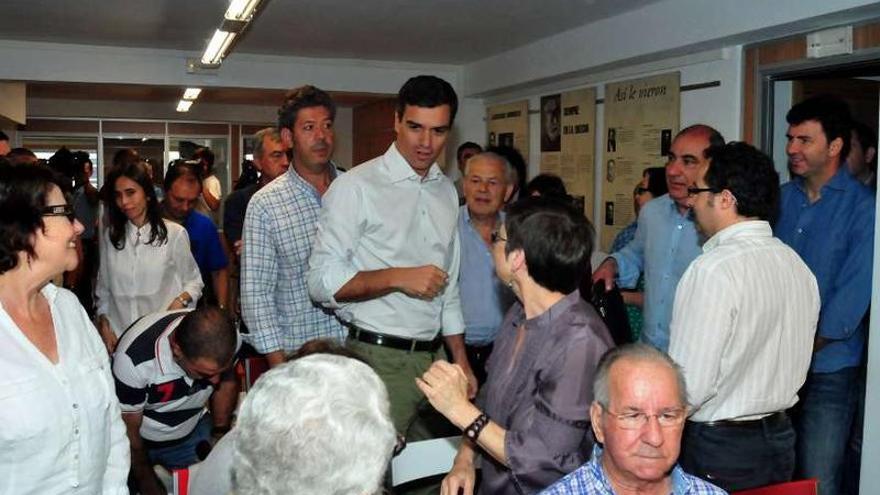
488 179
827 217
666 239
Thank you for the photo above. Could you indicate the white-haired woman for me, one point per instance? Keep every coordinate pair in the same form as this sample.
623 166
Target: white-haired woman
314 426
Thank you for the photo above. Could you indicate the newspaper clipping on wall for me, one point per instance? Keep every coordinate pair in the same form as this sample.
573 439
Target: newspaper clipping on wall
568 123
641 117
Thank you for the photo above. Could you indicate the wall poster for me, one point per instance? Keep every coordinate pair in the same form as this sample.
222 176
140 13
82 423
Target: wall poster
568 123
641 116
508 125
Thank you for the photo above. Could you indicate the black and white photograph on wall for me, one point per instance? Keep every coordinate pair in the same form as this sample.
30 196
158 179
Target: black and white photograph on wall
551 129
506 139
665 141
610 171
611 146
609 213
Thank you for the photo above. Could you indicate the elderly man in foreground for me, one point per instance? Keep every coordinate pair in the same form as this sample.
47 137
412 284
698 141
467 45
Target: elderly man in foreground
313 426
638 413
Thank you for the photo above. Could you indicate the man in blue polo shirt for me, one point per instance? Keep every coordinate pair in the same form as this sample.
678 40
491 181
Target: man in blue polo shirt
488 179
182 190
827 216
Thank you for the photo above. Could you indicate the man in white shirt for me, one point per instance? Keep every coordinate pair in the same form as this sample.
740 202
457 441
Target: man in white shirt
742 328
386 256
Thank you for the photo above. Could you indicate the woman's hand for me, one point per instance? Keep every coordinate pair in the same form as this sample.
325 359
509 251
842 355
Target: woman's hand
462 476
446 387
107 334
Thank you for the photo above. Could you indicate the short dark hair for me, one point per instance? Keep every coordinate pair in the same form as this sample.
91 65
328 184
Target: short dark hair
303 97
867 138
136 171
832 114
3 136
182 168
547 185
16 153
23 194
126 156
747 173
205 153
557 241
427 92
208 333
657 185
468 145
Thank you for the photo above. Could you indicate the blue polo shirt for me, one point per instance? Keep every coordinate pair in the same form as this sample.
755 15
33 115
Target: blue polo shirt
484 298
835 238
204 241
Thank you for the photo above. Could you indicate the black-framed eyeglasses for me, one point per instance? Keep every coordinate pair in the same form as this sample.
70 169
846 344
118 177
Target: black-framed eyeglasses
693 191
59 211
495 236
642 190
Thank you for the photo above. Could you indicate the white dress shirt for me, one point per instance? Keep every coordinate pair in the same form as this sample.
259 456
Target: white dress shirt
381 214
743 323
144 278
61 430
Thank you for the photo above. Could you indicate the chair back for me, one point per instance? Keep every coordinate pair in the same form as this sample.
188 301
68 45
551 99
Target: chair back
800 487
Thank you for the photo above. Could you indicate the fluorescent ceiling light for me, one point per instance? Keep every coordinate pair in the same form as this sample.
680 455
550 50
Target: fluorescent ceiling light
183 105
217 47
191 93
241 10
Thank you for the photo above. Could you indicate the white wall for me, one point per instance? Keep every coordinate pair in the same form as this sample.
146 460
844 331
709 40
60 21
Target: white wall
659 30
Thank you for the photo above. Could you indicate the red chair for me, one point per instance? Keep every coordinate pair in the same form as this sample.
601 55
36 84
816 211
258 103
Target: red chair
800 487
249 369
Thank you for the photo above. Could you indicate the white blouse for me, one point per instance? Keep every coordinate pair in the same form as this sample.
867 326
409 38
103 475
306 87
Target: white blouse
144 278
61 428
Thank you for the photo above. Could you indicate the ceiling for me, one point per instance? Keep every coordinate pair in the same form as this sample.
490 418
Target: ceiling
426 31
420 31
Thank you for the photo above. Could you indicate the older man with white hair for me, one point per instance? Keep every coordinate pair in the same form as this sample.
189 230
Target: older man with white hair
314 426
638 413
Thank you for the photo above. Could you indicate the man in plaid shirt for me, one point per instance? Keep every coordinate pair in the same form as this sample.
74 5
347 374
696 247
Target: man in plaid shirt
279 228
638 415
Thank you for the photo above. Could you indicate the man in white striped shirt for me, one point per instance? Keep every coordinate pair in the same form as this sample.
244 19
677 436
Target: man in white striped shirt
742 328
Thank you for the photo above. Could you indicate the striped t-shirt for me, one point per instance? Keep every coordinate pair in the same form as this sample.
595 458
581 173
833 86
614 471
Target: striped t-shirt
148 379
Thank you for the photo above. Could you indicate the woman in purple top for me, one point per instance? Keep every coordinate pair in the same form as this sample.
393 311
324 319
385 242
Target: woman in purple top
531 421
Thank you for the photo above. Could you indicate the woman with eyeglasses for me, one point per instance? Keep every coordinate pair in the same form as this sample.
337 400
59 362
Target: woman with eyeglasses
145 262
61 429
530 423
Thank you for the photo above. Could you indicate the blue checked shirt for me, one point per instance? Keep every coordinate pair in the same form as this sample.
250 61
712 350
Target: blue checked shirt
279 228
590 479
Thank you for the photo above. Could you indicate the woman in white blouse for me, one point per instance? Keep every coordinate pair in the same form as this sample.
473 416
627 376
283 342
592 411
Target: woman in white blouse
146 263
61 429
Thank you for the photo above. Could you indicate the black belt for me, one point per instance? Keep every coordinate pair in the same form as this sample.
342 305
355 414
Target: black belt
392 341
774 419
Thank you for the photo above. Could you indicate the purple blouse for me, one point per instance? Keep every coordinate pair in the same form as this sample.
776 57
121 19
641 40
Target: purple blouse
542 398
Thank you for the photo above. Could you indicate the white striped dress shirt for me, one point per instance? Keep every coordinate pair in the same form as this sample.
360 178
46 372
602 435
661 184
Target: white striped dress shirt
743 323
